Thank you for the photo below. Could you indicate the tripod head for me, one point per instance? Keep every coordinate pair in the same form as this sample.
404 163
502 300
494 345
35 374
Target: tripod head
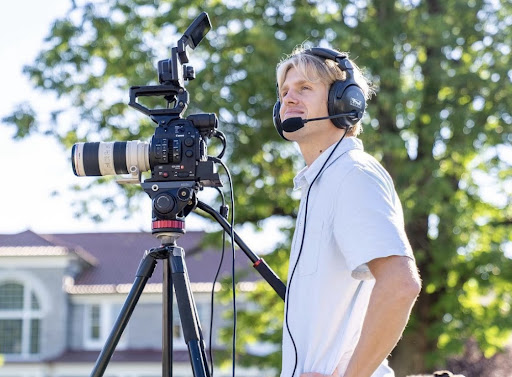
171 203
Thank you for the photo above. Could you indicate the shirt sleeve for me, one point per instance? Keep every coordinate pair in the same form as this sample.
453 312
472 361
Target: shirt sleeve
368 221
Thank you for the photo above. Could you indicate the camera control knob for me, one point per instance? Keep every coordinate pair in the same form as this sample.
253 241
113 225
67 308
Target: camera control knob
189 141
164 203
184 194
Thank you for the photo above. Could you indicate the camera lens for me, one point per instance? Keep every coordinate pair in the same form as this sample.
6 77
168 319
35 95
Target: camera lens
109 158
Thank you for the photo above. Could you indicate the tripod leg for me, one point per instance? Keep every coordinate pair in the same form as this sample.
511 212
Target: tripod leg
188 313
144 272
167 320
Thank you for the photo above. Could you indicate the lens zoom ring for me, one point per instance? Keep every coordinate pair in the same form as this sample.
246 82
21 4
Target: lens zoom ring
91 160
120 157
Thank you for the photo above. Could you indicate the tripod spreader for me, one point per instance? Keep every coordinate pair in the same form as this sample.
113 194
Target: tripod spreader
258 263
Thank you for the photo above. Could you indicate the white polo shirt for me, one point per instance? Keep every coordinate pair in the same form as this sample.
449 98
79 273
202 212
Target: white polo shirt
354 215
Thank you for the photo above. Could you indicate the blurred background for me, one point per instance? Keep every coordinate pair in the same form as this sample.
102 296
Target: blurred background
440 124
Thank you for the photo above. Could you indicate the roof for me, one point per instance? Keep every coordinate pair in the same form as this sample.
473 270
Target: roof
24 239
30 244
113 258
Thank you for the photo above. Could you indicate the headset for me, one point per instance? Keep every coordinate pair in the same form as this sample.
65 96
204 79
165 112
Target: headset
345 96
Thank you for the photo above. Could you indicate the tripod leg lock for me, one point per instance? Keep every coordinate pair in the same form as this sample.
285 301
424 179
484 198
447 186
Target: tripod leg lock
148 263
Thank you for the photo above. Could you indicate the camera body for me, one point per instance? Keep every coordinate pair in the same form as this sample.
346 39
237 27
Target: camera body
174 151
178 151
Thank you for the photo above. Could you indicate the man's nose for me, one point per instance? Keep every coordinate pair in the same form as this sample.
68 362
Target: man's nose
290 97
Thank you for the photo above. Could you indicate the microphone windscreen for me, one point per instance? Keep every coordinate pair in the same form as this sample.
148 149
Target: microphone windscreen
293 124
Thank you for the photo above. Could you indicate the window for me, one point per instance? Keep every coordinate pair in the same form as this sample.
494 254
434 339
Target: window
99 321
95 327
20 319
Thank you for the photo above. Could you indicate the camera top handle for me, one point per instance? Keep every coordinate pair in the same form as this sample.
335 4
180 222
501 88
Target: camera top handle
172 74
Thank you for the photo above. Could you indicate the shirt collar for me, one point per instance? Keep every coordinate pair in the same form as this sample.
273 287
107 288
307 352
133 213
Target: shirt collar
308 173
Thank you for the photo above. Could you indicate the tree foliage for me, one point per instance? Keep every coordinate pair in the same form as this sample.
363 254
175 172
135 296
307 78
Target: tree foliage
441 124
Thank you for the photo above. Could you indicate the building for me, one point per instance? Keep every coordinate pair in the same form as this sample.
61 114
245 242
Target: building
60 295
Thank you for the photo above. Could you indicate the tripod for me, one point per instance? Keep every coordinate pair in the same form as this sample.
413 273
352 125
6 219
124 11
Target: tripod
175 274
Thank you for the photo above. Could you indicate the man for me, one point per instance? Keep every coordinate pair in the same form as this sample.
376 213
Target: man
352 279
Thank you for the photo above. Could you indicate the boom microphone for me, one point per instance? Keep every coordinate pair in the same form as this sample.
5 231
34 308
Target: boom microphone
296 123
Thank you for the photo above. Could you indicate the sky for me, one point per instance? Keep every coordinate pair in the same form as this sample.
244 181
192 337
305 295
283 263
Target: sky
35 167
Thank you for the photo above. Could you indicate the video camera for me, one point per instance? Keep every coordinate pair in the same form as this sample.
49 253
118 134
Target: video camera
177 154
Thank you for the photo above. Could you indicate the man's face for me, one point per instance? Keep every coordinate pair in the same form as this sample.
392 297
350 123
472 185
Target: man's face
304 99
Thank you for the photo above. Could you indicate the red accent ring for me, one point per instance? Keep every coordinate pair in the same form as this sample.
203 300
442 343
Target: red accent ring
160 224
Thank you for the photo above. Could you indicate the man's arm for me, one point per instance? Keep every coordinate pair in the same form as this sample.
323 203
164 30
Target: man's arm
397 285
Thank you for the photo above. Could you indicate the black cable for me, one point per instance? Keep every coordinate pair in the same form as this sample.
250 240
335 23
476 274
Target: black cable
232 235
212 301
220 135
300 251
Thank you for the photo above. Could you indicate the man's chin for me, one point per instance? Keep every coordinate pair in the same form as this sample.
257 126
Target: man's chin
292 136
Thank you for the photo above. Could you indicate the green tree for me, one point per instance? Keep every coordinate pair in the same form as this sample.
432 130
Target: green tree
440 122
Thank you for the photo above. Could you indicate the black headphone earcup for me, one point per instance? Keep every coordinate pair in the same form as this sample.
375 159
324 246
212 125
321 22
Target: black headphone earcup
277 119
345 97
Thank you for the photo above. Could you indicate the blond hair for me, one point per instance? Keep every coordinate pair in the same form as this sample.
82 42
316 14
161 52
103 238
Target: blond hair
327 71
